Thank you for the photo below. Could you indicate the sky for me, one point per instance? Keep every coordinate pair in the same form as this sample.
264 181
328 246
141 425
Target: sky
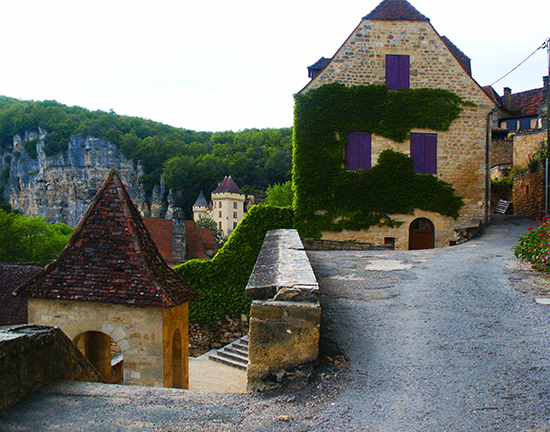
216 65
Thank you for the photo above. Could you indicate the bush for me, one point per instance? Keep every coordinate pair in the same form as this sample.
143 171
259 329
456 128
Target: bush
221 281
535 245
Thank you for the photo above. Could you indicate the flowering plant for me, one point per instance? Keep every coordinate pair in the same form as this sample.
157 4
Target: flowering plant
535 245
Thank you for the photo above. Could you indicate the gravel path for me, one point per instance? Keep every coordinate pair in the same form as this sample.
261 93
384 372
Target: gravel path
440 340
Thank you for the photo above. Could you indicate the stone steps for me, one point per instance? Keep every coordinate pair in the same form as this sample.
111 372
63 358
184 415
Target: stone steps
235 354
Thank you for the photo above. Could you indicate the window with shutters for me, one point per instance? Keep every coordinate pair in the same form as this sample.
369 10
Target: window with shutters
424 153
397 72
358 151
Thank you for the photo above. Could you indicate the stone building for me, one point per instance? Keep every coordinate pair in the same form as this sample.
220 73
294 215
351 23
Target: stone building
227 206
112 293
396 46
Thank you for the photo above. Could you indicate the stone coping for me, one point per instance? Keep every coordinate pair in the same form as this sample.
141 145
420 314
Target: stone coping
282 271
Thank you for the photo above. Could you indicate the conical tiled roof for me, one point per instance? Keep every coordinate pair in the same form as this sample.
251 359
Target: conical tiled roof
111 259
395 10
201 201
228 185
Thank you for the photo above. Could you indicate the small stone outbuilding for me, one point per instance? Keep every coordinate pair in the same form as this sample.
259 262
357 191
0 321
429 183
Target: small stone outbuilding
112 293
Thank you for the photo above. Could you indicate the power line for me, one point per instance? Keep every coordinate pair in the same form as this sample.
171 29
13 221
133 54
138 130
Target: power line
544 45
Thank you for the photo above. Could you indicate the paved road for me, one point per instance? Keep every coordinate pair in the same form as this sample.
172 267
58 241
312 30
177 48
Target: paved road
439 340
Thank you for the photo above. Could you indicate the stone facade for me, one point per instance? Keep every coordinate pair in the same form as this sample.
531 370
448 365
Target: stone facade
461 150
501 157
526 144
529 197
444 231
144 334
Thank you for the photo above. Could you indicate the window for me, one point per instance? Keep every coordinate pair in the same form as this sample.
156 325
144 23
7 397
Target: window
234 215
220 224
234 205
234 225
424 153
358 151
219 204
397 72
219 214
525 123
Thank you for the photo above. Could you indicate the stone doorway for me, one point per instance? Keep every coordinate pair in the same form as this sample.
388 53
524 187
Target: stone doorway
421 234
104 353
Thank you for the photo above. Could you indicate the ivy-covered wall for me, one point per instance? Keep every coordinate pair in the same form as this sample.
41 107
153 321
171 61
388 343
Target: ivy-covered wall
330 198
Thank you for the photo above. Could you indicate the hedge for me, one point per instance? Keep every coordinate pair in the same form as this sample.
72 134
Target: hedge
221 281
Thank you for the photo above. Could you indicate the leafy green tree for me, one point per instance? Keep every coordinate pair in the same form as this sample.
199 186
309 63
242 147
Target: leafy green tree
207 222
280 195
25 239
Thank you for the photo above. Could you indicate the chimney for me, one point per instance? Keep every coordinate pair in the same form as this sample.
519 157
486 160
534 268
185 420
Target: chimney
507 97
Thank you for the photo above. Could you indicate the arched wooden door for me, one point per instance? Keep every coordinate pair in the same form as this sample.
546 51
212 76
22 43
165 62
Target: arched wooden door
421 234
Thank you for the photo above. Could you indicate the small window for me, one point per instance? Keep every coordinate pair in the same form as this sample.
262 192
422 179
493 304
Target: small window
234 205
219 214
220 224
358 151
390 241
424 153
234 225
234 215
397 72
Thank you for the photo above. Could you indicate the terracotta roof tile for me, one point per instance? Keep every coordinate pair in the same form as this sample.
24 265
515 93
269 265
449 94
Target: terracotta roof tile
13 310
395 10
193 242
526 103
111 258
208 240
161 231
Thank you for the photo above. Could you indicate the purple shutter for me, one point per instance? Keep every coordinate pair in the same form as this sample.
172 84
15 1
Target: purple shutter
352 151
417 152
430 153
403 72
392 72
364 150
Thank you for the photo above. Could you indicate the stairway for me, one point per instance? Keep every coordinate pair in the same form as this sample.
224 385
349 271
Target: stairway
235 354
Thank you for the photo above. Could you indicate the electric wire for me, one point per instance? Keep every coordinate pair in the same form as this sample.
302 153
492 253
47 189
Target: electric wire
544 45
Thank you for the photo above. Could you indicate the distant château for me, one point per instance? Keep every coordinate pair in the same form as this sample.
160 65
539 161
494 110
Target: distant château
227 206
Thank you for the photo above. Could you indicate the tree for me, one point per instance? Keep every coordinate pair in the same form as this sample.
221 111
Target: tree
210 224
280 195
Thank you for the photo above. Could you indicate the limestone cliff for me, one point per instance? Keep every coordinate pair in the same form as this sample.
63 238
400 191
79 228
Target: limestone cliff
60 188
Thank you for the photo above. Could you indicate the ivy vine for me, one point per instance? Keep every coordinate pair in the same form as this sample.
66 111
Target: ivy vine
330 198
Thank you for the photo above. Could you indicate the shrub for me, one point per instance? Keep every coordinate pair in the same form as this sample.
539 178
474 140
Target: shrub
221 281
535 245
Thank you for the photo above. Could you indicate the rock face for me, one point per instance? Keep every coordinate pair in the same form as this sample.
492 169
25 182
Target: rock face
60 188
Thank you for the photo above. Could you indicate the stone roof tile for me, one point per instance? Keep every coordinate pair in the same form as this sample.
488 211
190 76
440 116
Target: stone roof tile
13 310
395 10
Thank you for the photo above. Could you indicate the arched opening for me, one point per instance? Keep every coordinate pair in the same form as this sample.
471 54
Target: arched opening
104 353
177 360
421 234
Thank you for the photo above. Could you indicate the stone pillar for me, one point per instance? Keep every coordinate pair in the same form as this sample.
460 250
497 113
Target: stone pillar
178 234
285 315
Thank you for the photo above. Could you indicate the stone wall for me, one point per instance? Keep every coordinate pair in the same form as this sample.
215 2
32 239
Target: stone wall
525 145
32 356
461 150
285 315
501 153
528 192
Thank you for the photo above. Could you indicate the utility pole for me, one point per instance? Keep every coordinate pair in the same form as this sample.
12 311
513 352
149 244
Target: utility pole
547 84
